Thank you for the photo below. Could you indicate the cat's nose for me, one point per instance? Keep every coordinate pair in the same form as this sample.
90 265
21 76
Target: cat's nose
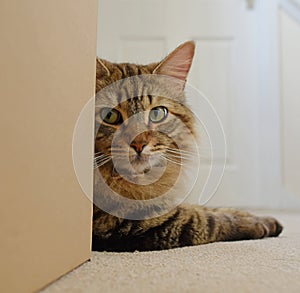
138 146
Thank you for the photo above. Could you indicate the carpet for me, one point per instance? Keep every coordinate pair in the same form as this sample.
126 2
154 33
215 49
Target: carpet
267 265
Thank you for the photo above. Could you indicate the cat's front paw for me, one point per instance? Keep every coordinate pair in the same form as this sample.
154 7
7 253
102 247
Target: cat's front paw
272 227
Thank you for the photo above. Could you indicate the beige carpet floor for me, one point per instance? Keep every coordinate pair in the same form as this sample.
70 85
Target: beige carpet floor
268 265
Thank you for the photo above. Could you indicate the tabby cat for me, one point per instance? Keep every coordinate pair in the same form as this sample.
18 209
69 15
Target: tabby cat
160 122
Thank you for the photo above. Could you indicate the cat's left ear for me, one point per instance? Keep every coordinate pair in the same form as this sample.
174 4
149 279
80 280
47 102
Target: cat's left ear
178 63
102 70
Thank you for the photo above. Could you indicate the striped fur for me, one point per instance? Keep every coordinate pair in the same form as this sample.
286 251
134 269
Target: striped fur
184 225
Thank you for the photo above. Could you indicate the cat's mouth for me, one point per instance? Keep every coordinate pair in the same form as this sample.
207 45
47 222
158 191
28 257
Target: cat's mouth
139 159
138 165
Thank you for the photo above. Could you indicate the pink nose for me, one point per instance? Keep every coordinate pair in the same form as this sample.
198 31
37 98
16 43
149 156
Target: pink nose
138 146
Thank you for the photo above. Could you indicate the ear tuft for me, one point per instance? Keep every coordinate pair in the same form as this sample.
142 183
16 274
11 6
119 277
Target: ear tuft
178 63
102 69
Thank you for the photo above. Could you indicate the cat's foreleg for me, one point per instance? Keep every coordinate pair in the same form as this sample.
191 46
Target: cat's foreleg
186 226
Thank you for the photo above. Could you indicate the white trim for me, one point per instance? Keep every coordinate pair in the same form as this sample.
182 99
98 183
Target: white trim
292 7
269 106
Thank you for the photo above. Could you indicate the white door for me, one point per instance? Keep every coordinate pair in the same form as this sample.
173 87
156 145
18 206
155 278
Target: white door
225 69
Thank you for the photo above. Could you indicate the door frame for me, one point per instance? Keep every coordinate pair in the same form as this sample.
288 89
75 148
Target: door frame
272 190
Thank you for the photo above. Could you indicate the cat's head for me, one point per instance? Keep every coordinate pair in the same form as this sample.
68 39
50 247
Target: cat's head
144 129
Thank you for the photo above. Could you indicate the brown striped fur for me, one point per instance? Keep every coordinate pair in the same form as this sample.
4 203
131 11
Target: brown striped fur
184 225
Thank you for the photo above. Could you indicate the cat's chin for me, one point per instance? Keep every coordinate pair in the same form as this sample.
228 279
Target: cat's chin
140 167
146 164
135 170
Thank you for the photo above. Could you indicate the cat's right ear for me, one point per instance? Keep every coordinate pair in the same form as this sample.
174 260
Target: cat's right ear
178 63
102 70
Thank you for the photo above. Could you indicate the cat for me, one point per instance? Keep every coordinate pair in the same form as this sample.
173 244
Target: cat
163 121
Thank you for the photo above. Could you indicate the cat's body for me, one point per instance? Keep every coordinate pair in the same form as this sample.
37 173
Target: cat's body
146 129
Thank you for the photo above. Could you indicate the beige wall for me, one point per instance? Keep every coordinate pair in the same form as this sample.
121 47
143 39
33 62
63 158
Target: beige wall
47 66
290 78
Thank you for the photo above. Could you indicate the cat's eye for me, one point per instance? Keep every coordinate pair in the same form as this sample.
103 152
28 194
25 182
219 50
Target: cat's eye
111 116
158 114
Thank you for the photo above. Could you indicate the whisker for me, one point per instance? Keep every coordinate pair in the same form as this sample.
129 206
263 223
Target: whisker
188 156
177 163
97 165
182 157
99 157
101 160
174 162
179 151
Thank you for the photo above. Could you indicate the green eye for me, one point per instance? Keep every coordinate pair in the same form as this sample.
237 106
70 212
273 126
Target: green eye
158 114
111 116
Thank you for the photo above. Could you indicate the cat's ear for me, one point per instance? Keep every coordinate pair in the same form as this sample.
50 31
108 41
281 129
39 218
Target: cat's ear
102 70
178 63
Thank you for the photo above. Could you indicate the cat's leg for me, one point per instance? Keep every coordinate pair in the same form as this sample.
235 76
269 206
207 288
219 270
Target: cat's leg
185 226
240 225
